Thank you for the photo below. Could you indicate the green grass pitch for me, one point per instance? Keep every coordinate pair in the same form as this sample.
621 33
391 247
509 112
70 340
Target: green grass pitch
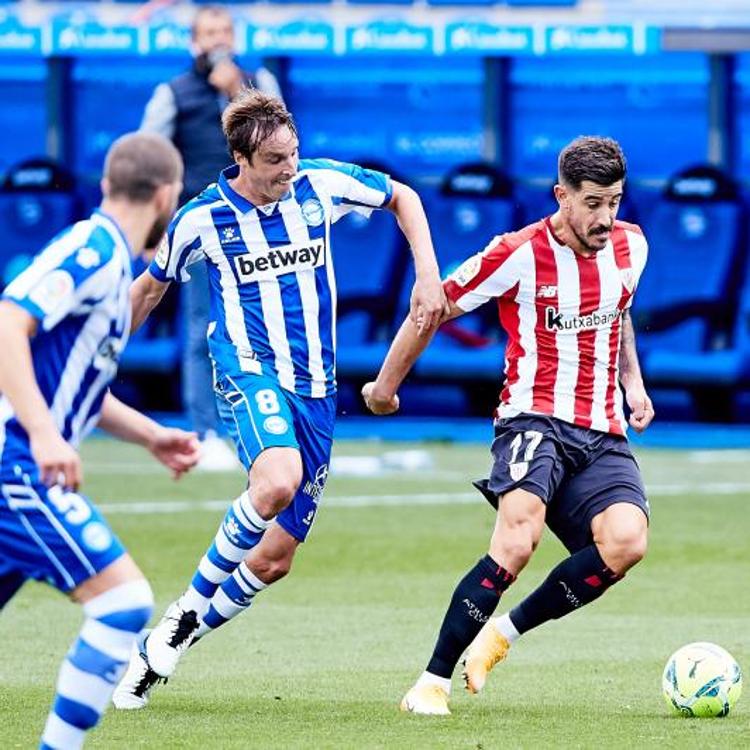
322 659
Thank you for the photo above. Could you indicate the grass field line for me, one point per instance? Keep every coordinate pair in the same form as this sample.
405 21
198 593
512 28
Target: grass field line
152 468
137 507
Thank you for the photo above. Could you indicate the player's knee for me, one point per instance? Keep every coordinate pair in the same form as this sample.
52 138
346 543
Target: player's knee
270 570
624 548
271 496
513 547
127 607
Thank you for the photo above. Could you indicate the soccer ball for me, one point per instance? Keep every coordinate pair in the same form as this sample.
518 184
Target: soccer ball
702 679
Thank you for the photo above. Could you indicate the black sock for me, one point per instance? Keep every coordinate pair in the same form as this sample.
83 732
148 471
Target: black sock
473 602
574 583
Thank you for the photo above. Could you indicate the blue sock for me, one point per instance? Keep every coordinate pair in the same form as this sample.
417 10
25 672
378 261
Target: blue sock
234 596
96 662
241 529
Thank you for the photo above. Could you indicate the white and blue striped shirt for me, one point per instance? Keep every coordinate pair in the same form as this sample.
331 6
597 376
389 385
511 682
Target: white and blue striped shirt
270 270
78 290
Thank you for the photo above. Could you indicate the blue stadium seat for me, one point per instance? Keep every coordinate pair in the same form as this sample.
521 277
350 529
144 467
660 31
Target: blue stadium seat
37 200
370 257
475 203
687 300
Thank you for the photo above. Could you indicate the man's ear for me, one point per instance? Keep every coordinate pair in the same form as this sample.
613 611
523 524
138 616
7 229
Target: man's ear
163 197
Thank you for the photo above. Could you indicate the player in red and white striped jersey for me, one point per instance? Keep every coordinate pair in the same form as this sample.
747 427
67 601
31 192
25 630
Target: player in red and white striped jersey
563 286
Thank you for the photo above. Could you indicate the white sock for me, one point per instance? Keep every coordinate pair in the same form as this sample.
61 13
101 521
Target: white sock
427 678
506 628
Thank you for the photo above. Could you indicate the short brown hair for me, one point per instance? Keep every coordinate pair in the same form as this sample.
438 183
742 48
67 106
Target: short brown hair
591 157
251 118
208 10
139 163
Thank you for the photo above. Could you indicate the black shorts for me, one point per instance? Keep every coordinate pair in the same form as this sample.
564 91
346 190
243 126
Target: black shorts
576 472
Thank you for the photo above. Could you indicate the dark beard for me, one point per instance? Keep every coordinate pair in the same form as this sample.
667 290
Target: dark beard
157 232
585 242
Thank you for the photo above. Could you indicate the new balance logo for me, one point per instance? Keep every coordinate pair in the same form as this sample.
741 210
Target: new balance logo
546 291
279 260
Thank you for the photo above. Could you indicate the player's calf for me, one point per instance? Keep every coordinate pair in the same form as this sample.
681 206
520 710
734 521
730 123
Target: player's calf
96 661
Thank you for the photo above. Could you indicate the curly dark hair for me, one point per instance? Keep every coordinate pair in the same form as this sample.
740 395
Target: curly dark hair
591 157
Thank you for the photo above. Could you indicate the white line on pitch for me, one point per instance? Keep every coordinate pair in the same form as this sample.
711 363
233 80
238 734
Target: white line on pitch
137 507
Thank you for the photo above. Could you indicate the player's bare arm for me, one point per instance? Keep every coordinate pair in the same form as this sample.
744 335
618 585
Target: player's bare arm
380 396
58 462
177 449
145 294
642 410
428 303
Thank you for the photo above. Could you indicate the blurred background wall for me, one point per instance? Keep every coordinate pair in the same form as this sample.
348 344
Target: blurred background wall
431 91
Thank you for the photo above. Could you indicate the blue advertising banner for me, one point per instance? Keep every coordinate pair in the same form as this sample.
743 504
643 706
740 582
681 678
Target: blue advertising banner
17 38
89 37
167 38
391 36
298 37
595 39
85 34
477 37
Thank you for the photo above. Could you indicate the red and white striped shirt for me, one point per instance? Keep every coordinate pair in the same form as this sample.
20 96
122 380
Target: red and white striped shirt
562 313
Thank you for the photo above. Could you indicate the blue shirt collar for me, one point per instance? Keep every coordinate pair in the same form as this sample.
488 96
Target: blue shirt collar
114 229
241 203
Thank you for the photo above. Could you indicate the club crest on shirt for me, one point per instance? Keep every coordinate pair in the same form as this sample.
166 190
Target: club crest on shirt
467 270
628 278
519 470
52 290
312 212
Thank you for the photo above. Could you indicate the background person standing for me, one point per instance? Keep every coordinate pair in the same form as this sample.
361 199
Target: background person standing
187 110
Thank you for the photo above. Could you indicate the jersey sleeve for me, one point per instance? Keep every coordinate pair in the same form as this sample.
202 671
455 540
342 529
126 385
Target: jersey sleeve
487 275
638 258
349 186
62 279
180 247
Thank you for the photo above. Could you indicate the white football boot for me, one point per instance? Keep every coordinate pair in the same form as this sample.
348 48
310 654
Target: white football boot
169 640
134 689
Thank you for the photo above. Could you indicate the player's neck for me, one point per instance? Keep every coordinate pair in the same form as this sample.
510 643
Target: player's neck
245 189
564 235
132 223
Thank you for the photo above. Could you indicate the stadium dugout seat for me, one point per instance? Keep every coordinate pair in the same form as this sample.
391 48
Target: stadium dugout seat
370 257
474 203
37 200
690 334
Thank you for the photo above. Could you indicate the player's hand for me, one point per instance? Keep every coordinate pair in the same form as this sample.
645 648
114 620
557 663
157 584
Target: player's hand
178 450
641 408
57 460
226 77
428 305
379 403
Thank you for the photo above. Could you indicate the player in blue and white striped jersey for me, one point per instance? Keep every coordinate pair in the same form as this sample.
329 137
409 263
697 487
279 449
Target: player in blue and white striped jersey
264 230
63 323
